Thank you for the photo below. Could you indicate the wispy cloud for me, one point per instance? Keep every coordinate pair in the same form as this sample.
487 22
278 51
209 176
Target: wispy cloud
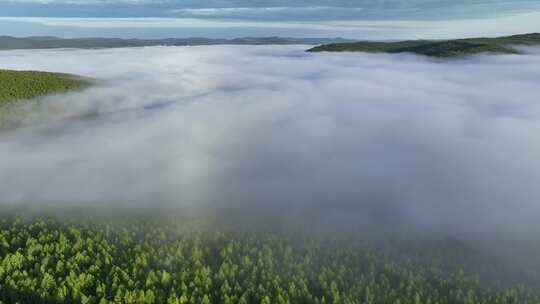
87 2
379 30
272 12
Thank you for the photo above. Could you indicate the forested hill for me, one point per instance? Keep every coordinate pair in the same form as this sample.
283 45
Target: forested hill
11 43
438 48
18 85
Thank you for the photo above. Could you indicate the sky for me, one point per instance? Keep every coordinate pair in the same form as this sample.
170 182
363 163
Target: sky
335 139
359 19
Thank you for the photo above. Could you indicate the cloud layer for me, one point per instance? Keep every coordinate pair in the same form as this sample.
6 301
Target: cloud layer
354 137
231 28
361 19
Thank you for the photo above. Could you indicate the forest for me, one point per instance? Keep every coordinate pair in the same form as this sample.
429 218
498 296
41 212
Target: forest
18 85
51 259
453 48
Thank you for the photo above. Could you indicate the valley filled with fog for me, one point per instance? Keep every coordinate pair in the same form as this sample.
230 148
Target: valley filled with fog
341 140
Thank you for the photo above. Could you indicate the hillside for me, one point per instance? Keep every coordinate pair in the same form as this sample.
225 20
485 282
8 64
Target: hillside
12 43
18 85
438 48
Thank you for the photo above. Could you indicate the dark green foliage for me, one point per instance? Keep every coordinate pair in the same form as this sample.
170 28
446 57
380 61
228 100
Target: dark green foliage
455 48
445 48
367 46
18 85
56 261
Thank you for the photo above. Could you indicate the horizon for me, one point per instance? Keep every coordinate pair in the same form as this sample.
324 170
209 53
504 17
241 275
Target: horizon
250 37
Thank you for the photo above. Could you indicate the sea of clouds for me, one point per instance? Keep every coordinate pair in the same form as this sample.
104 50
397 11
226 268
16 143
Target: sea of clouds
354 137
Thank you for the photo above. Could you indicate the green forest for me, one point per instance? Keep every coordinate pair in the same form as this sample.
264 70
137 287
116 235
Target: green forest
48 259
19 85
438 48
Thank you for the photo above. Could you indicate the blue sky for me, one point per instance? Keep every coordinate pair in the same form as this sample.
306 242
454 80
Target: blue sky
376 19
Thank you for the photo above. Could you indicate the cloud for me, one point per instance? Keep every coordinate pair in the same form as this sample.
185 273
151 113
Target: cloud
394 139
272 10
213 27
272 13
362 19
86 2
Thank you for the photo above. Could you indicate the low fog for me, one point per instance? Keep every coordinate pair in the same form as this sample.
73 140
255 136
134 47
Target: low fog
334 139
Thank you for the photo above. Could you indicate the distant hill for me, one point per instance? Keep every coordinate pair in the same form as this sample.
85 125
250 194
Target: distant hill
437 48
12 43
